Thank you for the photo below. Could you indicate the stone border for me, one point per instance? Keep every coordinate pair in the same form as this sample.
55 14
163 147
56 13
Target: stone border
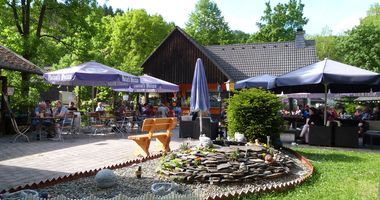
77 175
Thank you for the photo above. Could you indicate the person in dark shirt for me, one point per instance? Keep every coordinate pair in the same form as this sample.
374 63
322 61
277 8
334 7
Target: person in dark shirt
72 107
314 119
375 114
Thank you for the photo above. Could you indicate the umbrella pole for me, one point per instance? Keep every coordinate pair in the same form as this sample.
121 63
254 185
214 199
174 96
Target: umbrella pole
325 107
200 123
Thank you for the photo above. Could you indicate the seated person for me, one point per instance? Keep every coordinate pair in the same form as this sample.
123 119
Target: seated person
149 111
332 115
171 112
315 119
59 112
49 109
100 107
120 110
178 111
297 111
163 110
72 107
375 114
40 112
363 125
358 113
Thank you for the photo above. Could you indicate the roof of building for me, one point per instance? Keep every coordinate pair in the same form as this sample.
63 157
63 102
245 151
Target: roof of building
12 61
242 61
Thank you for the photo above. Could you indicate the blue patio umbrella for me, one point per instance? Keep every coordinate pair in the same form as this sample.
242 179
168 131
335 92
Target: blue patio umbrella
199 99
328 75
265 81
90 74
149 84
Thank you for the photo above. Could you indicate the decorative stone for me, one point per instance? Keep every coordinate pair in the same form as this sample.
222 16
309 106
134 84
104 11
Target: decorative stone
242 167
268 158
256 160
223 166
105 178
162 189
205 141
240 137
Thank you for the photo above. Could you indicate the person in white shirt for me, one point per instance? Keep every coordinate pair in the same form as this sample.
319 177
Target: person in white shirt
99 107
163 110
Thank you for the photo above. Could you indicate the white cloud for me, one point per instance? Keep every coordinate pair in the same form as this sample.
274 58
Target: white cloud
345 24
245 24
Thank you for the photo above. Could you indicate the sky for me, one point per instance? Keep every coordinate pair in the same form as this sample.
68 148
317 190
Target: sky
337 15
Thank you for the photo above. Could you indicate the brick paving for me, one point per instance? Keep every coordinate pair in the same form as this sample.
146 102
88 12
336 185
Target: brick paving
24 163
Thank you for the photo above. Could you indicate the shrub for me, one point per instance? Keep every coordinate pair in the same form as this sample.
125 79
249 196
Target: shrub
255 113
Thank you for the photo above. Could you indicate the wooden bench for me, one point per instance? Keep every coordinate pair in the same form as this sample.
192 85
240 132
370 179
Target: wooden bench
152 126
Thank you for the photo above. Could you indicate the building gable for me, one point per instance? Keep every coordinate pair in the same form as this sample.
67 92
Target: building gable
174 60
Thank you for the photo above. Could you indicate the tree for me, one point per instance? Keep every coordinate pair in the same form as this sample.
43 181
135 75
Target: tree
361 47
206 24
373 15
42 31
239 37
125 41
281 23
327 45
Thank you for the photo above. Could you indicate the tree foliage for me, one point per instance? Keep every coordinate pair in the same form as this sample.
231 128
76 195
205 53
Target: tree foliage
207 25
361 47
125 41
327 45
281 22
239 37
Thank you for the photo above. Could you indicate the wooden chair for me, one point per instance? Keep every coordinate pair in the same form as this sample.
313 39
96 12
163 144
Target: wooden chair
152 125
20 132
95 122
68 124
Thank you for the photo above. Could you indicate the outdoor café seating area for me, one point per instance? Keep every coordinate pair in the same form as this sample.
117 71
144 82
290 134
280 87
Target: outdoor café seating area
342 131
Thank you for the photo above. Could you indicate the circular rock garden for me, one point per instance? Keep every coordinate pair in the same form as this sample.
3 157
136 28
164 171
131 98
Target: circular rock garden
225 164
207 171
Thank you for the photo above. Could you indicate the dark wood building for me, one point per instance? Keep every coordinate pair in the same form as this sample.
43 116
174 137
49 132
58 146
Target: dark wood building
174 60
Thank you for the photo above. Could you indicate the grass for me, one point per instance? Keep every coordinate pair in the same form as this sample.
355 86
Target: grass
338 174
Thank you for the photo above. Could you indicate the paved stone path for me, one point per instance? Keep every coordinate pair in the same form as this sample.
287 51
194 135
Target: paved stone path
24 163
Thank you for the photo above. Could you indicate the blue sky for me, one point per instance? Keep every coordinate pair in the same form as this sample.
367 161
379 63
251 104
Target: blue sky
338 15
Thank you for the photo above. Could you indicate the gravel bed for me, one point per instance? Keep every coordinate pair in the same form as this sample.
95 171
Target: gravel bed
129 185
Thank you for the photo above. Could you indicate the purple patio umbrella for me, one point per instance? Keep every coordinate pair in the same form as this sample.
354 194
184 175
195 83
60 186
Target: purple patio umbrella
90 74
265 81
199 99
149 84
328 75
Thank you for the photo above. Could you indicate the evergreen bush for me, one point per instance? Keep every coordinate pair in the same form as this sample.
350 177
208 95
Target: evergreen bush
255 113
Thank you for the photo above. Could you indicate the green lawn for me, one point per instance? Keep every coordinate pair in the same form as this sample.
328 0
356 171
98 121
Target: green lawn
338 174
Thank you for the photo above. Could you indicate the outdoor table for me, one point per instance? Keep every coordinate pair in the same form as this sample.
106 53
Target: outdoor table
41 119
